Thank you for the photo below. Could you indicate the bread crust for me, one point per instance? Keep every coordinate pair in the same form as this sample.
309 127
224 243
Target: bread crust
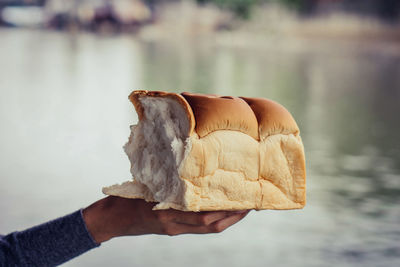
272 117
135 95
213 113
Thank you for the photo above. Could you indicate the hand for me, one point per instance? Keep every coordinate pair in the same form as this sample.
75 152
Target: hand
114 216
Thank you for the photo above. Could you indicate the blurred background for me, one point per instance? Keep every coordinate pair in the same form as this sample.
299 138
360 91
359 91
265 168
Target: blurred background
67 67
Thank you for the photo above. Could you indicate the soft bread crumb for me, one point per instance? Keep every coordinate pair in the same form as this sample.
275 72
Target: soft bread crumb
157 147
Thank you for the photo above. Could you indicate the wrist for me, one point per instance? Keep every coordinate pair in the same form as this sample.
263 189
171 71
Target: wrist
98 221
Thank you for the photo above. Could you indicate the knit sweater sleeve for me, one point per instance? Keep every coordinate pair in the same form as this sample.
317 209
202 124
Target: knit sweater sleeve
48 244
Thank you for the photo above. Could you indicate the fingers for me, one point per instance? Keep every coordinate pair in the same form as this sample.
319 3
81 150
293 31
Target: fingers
215 227
221 225
194 218
200 218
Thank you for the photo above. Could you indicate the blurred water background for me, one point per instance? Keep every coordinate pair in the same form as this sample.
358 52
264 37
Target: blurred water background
335 65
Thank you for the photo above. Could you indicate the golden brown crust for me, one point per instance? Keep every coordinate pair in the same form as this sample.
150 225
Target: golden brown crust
134 98
214 113
135 95
272 117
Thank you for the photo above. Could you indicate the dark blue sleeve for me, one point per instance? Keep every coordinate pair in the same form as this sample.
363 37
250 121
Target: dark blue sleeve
48 244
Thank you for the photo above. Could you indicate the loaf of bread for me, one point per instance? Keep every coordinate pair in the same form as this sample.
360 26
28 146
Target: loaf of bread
196 152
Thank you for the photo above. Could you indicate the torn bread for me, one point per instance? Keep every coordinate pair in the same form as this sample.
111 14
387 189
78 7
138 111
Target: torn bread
196 152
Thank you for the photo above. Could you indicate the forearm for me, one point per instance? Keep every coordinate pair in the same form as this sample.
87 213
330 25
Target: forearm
48 244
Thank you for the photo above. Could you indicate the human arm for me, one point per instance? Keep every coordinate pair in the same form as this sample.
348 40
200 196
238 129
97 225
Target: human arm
47 244
62 239
114 216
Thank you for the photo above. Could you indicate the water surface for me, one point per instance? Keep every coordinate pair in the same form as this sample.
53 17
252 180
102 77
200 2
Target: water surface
64 117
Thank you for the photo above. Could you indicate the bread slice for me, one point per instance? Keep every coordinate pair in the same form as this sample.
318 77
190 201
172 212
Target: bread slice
196 152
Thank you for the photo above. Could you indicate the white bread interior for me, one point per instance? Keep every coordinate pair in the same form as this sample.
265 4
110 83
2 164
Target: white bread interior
156 148
229 166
